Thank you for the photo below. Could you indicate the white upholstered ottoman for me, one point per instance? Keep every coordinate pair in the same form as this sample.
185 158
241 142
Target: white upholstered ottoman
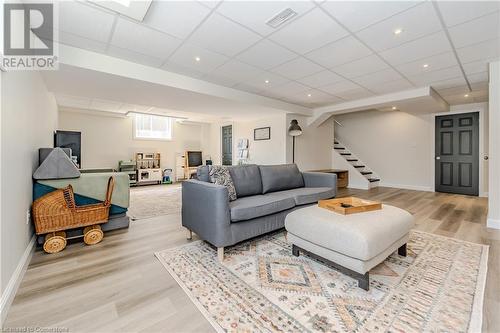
354 243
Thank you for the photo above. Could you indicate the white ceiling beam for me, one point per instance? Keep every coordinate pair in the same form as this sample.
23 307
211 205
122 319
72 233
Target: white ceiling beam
421 100
102 63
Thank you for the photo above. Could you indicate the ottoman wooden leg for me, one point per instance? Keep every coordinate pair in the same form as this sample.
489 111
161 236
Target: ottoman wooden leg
295 251
402 250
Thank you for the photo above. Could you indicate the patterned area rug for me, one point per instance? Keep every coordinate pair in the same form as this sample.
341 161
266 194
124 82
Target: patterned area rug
261 287
154 200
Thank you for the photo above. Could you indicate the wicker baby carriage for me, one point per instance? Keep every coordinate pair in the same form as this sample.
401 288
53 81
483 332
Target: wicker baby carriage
57 211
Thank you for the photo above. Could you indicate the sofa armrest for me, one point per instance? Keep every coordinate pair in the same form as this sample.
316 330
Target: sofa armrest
205 210
320 179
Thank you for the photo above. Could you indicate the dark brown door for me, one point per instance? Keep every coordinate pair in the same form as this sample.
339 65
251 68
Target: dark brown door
457 153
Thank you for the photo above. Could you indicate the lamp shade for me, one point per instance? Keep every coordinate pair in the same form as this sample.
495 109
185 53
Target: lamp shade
294 129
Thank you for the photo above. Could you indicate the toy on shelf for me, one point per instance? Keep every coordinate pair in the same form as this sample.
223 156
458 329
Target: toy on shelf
148 168
57 211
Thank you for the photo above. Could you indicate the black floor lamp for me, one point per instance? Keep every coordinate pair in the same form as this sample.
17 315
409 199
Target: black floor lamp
294 130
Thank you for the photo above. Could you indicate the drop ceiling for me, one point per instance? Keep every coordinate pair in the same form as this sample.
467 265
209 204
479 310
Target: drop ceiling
329 53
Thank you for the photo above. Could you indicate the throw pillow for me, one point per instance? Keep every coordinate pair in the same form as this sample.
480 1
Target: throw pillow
220 175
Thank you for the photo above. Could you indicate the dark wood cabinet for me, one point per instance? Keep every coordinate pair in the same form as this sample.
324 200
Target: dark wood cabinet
342 176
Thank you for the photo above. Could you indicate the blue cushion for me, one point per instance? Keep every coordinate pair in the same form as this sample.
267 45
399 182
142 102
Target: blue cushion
280 177
246 179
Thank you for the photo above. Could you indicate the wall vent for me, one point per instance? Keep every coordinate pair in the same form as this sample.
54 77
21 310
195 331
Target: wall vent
281 18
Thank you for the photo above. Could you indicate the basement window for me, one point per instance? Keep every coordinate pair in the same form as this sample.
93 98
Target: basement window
151 127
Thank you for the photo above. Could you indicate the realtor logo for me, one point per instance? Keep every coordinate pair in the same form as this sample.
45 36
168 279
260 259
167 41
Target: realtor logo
28 36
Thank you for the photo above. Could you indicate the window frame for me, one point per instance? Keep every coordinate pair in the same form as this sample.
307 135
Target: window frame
134 128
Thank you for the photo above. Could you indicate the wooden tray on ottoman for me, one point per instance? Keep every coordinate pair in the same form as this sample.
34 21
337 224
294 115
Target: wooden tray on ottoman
349 205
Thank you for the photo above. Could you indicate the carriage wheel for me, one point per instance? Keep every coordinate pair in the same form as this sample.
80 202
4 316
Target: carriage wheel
54 242
93 234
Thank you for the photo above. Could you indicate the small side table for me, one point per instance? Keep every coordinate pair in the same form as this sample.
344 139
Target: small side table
342 176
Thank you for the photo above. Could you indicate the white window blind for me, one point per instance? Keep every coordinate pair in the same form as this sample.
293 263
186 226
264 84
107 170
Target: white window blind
153 127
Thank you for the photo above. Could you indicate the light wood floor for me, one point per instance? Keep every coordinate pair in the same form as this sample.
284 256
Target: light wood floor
118 285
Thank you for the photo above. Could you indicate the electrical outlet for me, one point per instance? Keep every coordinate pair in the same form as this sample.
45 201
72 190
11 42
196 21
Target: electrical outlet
28 216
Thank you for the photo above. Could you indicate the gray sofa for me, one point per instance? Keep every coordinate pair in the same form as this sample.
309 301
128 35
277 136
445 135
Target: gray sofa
266 194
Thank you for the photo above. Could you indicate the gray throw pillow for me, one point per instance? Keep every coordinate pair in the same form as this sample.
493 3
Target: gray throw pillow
220 175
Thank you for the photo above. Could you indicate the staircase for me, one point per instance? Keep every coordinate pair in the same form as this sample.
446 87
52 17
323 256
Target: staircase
357 164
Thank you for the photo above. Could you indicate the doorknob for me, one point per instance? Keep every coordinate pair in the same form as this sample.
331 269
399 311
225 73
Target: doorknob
438 157
486 158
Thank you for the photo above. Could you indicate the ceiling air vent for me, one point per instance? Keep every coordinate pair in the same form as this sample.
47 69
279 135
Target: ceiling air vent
281 18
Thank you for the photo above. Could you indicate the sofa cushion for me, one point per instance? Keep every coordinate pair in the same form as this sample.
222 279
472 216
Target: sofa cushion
202 173
220 175
280 177
307 195
246 179
254 206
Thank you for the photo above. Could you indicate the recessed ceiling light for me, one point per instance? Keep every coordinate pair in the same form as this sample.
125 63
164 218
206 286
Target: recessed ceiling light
309 95
197 59
398 31
466 95
267 81
394 108
425 65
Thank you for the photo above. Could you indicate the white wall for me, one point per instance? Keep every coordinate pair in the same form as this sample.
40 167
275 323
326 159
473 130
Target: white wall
313 149
494 152
109 139
29 117
399 146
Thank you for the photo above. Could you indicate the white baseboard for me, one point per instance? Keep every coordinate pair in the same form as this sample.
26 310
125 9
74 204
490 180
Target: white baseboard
11 289
408 187
493 223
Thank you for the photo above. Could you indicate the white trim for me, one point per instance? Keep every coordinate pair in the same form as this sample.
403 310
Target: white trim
481 108
407 187
476 320
493 223
15 280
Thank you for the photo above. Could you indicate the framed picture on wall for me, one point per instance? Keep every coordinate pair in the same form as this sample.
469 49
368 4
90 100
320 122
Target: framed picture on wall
263 133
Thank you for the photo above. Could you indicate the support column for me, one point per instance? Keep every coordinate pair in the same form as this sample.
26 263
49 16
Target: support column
494 147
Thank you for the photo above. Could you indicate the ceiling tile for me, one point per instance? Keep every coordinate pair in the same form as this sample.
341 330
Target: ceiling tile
354 94
475 31
177 18
478 77
377 78
132 36
356 15
221 35
477 66
434 62
297 68
209 3
484 50
381 36
186 54
319 79
360 67
259 81
266 54
80 42
289 89
255 14
133 56
183 70
441 74
319 97
448 83
220 80
311 31
236 71
339 52
338 87
455 12
85 21
417 49
390 87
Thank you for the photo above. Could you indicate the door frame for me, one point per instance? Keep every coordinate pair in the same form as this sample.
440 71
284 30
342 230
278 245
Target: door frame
221 144
460 109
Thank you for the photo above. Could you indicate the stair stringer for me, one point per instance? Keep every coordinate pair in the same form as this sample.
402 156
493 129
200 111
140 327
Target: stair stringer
356 180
